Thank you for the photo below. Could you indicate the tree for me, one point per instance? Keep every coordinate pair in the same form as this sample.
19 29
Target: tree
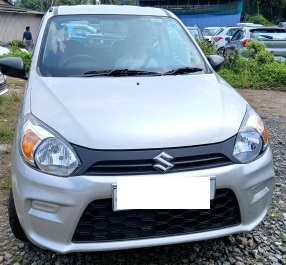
32 4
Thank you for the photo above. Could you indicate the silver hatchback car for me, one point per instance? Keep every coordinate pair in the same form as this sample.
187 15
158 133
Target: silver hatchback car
133 139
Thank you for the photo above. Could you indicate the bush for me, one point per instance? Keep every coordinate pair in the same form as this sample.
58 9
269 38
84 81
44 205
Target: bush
256 50
207 47
259 19
258 70
16 52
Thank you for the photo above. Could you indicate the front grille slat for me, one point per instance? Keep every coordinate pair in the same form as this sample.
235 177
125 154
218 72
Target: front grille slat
100 224
136 167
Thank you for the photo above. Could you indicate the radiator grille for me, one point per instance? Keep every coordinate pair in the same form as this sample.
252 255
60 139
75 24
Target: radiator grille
145 166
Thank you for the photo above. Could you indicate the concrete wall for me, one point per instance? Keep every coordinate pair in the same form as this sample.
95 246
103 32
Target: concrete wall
12 25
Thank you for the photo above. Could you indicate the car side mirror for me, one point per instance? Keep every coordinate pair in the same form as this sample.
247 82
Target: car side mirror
227 39
14 67
216 61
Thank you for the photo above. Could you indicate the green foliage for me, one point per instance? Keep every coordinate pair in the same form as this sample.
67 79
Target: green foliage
256 50
207 47
43 5
16 52
33 4
258 70
14 97
259 19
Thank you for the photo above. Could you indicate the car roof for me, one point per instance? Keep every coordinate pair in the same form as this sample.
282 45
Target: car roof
233 27
109 9
265 27
213 27
191 27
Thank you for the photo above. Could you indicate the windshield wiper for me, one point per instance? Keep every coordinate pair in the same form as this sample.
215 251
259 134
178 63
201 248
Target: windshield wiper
119 72
183 70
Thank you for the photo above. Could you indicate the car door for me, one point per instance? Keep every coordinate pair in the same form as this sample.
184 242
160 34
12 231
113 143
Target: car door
235 43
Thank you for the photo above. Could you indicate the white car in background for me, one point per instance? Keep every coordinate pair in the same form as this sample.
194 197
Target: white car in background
3 89
219 38
208 32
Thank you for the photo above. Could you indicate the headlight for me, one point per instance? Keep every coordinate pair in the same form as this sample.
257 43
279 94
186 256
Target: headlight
252 138
45 149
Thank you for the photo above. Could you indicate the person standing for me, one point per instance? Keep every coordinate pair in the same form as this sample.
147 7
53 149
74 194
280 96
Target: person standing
28 38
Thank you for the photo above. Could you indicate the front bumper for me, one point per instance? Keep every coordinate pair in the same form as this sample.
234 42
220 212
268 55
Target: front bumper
49 208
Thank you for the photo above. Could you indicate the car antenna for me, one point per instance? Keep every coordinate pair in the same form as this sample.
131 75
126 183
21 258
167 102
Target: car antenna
51 7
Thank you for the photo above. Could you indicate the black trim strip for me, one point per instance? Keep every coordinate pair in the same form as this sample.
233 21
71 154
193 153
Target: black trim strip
89 157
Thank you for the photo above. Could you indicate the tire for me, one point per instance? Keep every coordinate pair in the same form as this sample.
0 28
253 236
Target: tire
14 222
220 51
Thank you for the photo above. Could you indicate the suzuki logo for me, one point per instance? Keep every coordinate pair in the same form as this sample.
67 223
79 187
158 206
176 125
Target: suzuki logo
162 162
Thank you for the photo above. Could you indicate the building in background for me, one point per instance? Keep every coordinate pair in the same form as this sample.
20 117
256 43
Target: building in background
203 13
14 19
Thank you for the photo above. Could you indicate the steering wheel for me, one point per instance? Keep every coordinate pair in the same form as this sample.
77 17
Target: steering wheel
150 54
80 61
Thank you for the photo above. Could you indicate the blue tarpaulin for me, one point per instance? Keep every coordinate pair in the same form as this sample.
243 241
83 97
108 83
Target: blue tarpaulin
210 20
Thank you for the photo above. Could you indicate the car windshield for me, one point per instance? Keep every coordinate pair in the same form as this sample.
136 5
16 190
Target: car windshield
195 33
151 45
210 32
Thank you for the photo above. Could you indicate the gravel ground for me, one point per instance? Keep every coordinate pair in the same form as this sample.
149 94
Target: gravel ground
265 245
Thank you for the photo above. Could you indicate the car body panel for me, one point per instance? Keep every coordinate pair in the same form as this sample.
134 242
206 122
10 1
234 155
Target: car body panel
92 124
54 230
120 129
219 38
282 25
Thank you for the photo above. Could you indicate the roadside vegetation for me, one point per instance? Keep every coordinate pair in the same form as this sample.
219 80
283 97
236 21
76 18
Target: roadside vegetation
15 51
257 69
9 107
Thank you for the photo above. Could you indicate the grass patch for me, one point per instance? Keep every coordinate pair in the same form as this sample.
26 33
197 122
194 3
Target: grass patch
282 237
15 81
5 182
9 108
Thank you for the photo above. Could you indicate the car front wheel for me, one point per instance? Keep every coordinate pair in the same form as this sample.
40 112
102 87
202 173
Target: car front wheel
220 51
14 221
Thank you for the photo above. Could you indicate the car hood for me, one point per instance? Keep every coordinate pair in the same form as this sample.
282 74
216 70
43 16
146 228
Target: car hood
138 112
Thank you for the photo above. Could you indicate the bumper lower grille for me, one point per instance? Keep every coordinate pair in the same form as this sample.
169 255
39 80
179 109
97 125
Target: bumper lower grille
100 224
2 86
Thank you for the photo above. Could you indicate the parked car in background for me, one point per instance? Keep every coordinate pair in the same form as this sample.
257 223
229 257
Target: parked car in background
219 38
282 25
208 32
3 88
79 32
273 37
196 32
143 143
3 50
248 24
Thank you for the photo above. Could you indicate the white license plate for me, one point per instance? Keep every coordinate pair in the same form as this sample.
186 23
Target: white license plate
163 193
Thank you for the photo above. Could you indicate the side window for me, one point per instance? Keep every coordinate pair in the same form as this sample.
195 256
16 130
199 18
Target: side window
238 35
79 32
87 32
231 32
